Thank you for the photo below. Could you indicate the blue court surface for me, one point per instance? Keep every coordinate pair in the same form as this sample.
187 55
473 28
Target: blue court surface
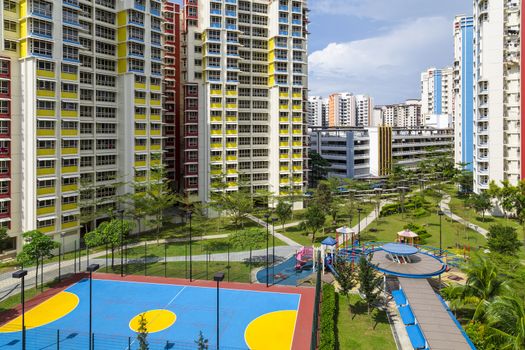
176 315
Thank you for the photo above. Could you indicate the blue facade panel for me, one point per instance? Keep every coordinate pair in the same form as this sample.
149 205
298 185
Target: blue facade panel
467 92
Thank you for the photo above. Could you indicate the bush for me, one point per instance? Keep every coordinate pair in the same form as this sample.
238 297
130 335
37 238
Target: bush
248 238
390 209
327 339
503 239
421 231
420 212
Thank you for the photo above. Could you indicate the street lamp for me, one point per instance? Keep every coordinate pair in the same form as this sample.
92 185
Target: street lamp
188 214
218 277
267 217
62 235
121 213
274 220
91 268
440 213
21 274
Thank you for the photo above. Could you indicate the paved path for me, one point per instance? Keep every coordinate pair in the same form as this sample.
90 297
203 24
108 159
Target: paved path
282 237
444 206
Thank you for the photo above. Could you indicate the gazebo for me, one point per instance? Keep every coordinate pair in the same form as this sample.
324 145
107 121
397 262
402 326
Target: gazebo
346 232
406 234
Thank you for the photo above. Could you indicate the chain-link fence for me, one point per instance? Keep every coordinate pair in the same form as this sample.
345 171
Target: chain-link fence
60 339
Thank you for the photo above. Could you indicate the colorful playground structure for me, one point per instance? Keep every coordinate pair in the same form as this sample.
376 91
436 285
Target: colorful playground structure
304 257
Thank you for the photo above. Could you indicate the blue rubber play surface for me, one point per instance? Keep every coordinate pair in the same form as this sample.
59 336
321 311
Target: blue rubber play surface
285 273
116 303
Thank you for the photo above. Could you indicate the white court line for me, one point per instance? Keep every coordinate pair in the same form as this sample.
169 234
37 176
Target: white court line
175 297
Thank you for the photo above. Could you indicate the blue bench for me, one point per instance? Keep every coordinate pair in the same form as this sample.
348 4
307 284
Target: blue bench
399 297
416 337
407 315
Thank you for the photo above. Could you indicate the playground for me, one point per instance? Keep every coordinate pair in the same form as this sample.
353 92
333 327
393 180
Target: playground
251 316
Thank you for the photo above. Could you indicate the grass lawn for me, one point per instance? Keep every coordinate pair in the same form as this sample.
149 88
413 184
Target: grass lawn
452 232
238 272
358 330
198 247
301 237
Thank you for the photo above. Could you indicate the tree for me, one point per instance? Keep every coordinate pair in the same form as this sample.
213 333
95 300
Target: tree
319 167
202 343
482 286
247 238
239 205
4 239
465 180
109 232
369 281
503 239
506 316
324 196
345 276
142 333
481 203
158 197
38 246
283 210
314 220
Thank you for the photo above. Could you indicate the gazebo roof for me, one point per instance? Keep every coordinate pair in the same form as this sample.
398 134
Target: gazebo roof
407 234
329 241
345 230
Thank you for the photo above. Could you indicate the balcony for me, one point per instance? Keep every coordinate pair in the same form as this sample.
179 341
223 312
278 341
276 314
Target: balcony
69 169
69 206
69 113
45 152
42 191
45 74
45 171
140 132
45 112
45 93
70 224
69 132
70 188
140 164
68 76
46 210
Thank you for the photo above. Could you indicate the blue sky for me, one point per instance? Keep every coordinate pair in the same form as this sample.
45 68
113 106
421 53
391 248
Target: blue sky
379 47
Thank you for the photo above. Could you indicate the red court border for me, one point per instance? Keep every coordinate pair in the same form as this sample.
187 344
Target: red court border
303 325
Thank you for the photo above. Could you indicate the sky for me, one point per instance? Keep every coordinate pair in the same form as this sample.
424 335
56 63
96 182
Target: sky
379 47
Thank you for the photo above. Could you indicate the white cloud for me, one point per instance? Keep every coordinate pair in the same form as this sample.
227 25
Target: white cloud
387 66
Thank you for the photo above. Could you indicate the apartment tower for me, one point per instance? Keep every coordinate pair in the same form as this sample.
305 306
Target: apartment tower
85 104
317 111
437 92
463 90
498 126
245 83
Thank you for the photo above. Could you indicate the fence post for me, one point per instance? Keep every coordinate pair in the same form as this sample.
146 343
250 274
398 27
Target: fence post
186 260
207 262
87 254
59 262
58 339
75 260
145 258
228 266
42 275
79 257
129 343
92 341
106 255
250 266
165 259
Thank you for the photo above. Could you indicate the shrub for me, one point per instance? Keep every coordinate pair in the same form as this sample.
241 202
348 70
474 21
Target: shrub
327 339
503 239
420 212
390 209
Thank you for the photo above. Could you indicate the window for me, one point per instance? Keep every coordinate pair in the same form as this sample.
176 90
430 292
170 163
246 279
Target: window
69 106
104 64
105 32
106 128
69 199
10 45
70 53
9 6
46 164
106 3
69 16
155 38
136 17
104 48
46 124
106 80
106 160
156 68
86 78
105 16
86 162
45 223
69 69
68 162
70 34
45 183
69 218
9 26
105 144
66 87
86 111
136 33
4 87
136 49
39 7
106 112
106 96
47 105
4 67
136 65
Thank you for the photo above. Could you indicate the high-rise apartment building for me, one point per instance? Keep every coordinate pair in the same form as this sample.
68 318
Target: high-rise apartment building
341 109
245 85
402 115
463 90
173 143
364 107
498 124
437 92
84 102
317 111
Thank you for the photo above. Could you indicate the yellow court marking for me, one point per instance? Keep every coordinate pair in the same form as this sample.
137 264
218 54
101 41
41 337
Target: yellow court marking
156 320
273 330
50 310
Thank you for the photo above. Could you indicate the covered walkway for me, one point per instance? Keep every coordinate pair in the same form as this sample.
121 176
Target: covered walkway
439 329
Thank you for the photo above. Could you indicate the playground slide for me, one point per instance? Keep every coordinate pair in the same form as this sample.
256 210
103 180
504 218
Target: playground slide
303 256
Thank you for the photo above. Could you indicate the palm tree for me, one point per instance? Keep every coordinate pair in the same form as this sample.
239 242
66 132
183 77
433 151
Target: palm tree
506 316
482 286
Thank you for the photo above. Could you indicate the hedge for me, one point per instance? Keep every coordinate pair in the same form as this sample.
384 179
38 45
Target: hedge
327 339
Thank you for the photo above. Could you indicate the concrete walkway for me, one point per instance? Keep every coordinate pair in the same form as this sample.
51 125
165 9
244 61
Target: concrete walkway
278 235
444 206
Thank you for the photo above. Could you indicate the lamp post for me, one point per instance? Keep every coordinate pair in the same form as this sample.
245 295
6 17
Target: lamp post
359 210
121 213
267 217
21 274
62 235
218 277
91 268
188 214
274 220
440 213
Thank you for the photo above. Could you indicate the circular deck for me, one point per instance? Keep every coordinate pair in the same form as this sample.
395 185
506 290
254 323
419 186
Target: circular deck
421 265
